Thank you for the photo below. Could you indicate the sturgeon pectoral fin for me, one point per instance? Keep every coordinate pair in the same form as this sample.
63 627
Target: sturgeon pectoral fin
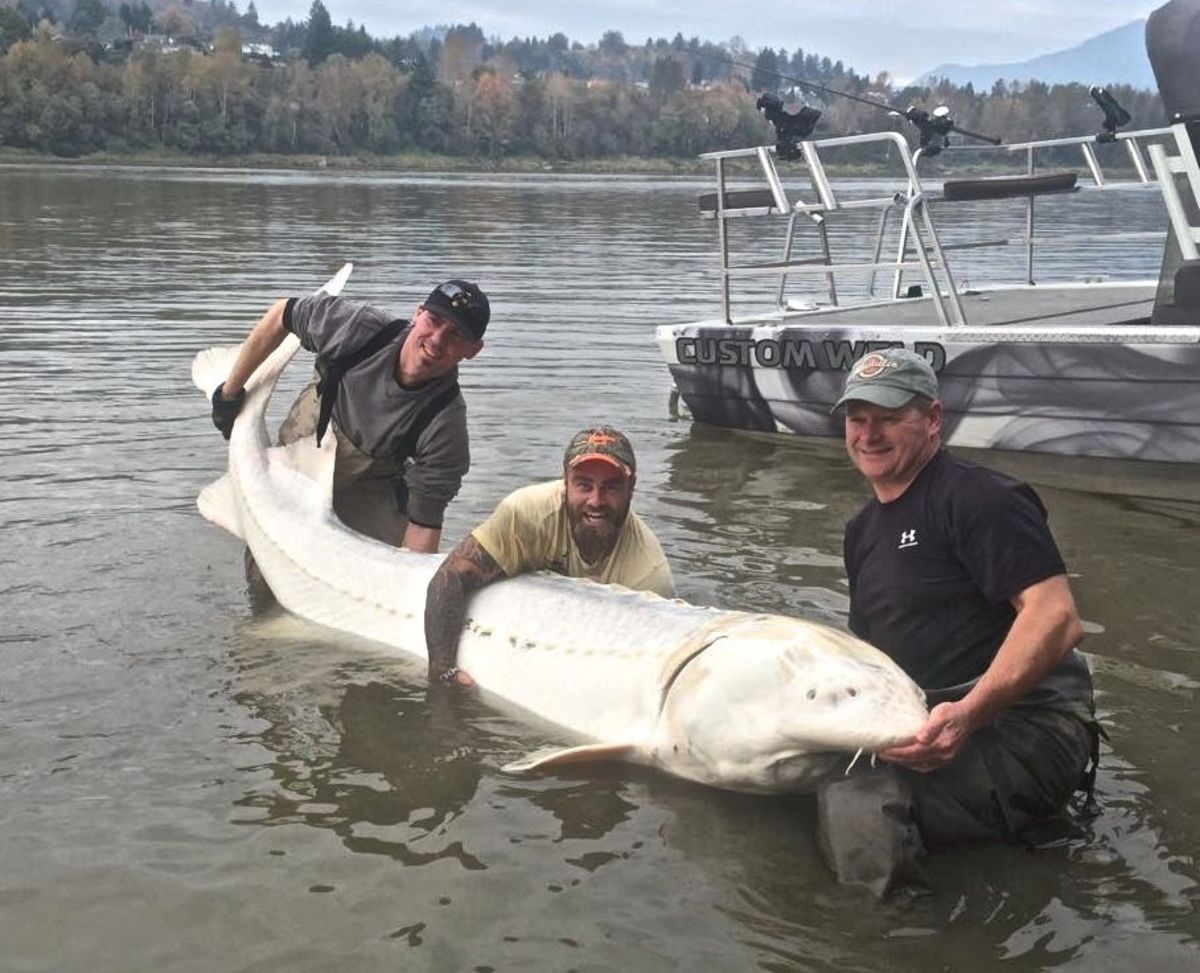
562 756
218 503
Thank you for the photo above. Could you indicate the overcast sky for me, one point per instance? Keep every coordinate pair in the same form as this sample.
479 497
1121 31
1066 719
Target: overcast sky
904 37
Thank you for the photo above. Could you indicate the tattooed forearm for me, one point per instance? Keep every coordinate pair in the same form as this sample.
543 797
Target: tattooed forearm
467 568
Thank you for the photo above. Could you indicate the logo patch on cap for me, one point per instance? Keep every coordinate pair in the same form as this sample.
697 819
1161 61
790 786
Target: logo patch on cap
871 365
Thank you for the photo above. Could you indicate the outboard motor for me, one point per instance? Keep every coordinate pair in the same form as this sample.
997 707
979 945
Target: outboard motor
1172 42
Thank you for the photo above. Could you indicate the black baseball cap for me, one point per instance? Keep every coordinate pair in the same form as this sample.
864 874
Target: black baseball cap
463 304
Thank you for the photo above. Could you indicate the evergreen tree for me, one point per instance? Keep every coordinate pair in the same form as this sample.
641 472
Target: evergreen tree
318 39
87 16
612 44
13 28
765 76
666 77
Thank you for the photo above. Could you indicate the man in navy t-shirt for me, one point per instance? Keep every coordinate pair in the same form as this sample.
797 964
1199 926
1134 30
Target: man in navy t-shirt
954 574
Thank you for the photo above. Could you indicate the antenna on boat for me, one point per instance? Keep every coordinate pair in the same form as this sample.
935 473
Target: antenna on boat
934 127
1114 115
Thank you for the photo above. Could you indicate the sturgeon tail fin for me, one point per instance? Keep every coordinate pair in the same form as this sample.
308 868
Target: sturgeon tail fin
335 283
211 366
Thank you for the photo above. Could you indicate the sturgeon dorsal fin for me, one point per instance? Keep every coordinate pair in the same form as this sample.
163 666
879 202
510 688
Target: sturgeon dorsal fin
218 503
564 756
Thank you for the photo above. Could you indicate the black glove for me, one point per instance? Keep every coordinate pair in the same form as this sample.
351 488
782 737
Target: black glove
225 410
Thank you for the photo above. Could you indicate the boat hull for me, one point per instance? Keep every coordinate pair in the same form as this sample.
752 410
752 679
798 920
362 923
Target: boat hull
1126 391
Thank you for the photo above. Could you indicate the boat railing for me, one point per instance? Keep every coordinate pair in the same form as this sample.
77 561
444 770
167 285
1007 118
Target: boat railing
1135 149
919 247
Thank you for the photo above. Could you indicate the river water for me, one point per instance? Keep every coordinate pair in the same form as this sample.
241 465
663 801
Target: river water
186 785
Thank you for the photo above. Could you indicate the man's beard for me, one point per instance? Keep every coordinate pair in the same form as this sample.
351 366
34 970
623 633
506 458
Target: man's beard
596 542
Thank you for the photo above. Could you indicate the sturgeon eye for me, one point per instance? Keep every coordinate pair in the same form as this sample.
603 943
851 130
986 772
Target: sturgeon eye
852 692
811 694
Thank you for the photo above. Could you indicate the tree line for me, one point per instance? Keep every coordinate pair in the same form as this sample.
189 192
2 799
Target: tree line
85 76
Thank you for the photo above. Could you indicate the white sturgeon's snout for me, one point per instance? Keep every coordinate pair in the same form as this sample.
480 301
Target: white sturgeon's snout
776 703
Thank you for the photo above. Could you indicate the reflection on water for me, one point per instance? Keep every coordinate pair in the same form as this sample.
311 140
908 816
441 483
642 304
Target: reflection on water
198 787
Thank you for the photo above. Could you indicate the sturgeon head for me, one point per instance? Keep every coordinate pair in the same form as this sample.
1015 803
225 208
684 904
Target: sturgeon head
767 704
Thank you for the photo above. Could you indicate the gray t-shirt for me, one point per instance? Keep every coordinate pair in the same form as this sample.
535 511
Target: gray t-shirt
375 412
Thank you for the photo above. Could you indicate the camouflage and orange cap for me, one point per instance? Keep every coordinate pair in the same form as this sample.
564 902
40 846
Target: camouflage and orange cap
600 443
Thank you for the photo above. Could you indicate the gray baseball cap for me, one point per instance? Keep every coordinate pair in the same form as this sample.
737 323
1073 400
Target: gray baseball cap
889 378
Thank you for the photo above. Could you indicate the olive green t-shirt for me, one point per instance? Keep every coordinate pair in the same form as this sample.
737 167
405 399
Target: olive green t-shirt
528 531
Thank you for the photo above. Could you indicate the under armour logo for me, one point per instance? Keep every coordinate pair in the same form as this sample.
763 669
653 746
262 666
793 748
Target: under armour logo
908 538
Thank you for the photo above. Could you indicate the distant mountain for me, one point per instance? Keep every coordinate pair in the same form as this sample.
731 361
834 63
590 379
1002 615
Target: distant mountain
1115 57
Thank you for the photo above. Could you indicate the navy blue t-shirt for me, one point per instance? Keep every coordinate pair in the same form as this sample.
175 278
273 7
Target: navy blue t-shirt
933 571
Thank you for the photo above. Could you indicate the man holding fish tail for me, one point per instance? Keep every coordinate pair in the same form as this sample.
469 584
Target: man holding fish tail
580 526
390 387
954 574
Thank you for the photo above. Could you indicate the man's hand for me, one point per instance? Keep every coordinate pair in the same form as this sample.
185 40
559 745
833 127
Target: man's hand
937 742
225 409
1046 626
263 339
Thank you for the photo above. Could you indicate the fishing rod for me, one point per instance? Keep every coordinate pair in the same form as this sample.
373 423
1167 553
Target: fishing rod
934 127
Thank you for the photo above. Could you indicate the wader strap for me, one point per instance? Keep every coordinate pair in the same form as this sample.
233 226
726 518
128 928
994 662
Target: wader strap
1088 784
331 372
408 445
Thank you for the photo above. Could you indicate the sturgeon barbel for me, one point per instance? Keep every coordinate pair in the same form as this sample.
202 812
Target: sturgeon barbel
743 701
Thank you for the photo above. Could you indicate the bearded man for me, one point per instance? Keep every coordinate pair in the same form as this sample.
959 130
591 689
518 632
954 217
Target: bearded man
580 526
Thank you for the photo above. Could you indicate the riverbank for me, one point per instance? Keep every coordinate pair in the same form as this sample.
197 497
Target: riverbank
625 165
401 162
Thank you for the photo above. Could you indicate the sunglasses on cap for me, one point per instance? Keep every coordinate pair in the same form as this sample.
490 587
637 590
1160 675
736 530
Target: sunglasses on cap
454 294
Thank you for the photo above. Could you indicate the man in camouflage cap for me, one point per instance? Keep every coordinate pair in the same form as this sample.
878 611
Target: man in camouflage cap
580 526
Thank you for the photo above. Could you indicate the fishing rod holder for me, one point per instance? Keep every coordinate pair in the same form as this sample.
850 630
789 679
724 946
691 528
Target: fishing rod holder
791 127
1114 115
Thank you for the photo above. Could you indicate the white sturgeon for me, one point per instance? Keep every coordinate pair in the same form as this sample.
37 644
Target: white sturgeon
742 701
